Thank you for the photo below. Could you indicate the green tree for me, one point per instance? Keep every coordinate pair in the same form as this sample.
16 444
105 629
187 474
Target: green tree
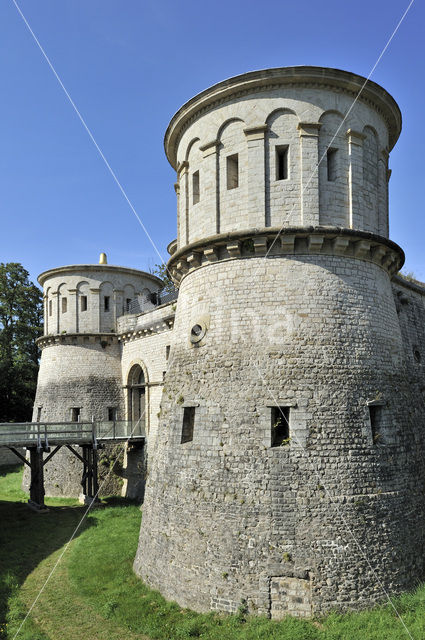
21 316
161 271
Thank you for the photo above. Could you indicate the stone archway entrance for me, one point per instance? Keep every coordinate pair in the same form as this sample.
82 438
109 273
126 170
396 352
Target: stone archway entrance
137 398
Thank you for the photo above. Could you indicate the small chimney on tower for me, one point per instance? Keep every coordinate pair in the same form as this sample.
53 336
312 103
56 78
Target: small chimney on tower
103 259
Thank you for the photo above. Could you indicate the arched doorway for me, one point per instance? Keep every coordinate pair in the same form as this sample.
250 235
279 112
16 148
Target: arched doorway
137 399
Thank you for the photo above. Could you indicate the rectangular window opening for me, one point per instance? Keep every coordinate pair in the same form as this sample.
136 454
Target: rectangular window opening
106 301
167 351
127 304
50 307
331 164
280 425
83 303
64 305
112 414
75 414
375 417
195 187
232 171
188 424
39 413
282 163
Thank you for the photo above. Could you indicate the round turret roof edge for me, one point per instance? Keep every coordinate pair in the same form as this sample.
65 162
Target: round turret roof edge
74 268
254 80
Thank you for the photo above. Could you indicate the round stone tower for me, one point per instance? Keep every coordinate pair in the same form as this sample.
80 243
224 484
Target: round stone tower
80 368
284 473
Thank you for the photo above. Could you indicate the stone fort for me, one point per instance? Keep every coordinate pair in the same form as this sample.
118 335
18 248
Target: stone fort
282 390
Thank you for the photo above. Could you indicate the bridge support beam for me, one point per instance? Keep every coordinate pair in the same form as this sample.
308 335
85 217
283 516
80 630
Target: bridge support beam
89 480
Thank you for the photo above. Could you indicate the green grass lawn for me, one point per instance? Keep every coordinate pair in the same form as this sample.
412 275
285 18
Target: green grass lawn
94 595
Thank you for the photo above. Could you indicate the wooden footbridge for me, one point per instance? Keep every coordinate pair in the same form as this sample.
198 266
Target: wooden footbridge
41 438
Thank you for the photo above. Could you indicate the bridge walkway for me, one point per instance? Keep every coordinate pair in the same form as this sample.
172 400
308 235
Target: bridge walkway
41 438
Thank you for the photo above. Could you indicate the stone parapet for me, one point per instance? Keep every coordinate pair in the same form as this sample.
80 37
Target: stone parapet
148 329
372 94
105 339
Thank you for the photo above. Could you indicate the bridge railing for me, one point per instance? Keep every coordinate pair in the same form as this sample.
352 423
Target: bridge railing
33 433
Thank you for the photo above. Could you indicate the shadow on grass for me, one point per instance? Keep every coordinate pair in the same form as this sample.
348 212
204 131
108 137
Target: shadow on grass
27 537
10 468
118 501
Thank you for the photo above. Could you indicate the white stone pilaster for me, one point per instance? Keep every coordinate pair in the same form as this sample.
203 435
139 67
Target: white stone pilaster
256 209
355 179
209 189
309 140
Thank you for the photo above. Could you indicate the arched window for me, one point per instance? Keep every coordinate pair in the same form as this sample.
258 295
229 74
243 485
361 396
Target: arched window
137 399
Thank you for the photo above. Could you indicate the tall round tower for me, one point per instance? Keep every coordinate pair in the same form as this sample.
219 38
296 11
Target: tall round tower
80 369
284 473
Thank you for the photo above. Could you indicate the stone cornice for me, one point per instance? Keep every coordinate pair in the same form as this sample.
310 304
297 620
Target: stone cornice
98 268
273 241
269 79
105 339
414 285
152 328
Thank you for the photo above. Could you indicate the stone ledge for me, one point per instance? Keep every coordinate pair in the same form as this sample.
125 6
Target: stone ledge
160 326
270 242
104 339
269 79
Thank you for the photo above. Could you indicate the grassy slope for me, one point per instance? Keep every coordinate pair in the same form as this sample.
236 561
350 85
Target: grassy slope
94 595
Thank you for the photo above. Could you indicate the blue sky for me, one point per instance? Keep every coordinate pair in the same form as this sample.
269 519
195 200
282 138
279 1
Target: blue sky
129 65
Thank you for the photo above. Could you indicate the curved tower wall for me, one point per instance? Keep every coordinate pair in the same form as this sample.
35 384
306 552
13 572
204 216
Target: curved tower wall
90 298
80 367
263 116
304 321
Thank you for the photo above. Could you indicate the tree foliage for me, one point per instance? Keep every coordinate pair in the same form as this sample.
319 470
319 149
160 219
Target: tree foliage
161 271
21 316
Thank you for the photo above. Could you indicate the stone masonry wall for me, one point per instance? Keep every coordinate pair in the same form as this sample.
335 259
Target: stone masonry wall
305 119
331 514
65 287
150 350
84 375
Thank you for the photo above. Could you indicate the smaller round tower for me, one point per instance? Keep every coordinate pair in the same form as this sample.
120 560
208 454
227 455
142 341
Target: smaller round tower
80 366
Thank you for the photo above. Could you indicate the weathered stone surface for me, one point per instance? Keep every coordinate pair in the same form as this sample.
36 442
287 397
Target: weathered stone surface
221 509
285 300
335 513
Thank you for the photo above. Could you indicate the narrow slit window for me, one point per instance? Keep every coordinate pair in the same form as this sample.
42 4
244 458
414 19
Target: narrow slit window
232 171
39 413
195 188
75 414
188 424
106 303
127 304
112 414
280 426
331 158
83 303
50 307
167 351
282 163
375 417
64 305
